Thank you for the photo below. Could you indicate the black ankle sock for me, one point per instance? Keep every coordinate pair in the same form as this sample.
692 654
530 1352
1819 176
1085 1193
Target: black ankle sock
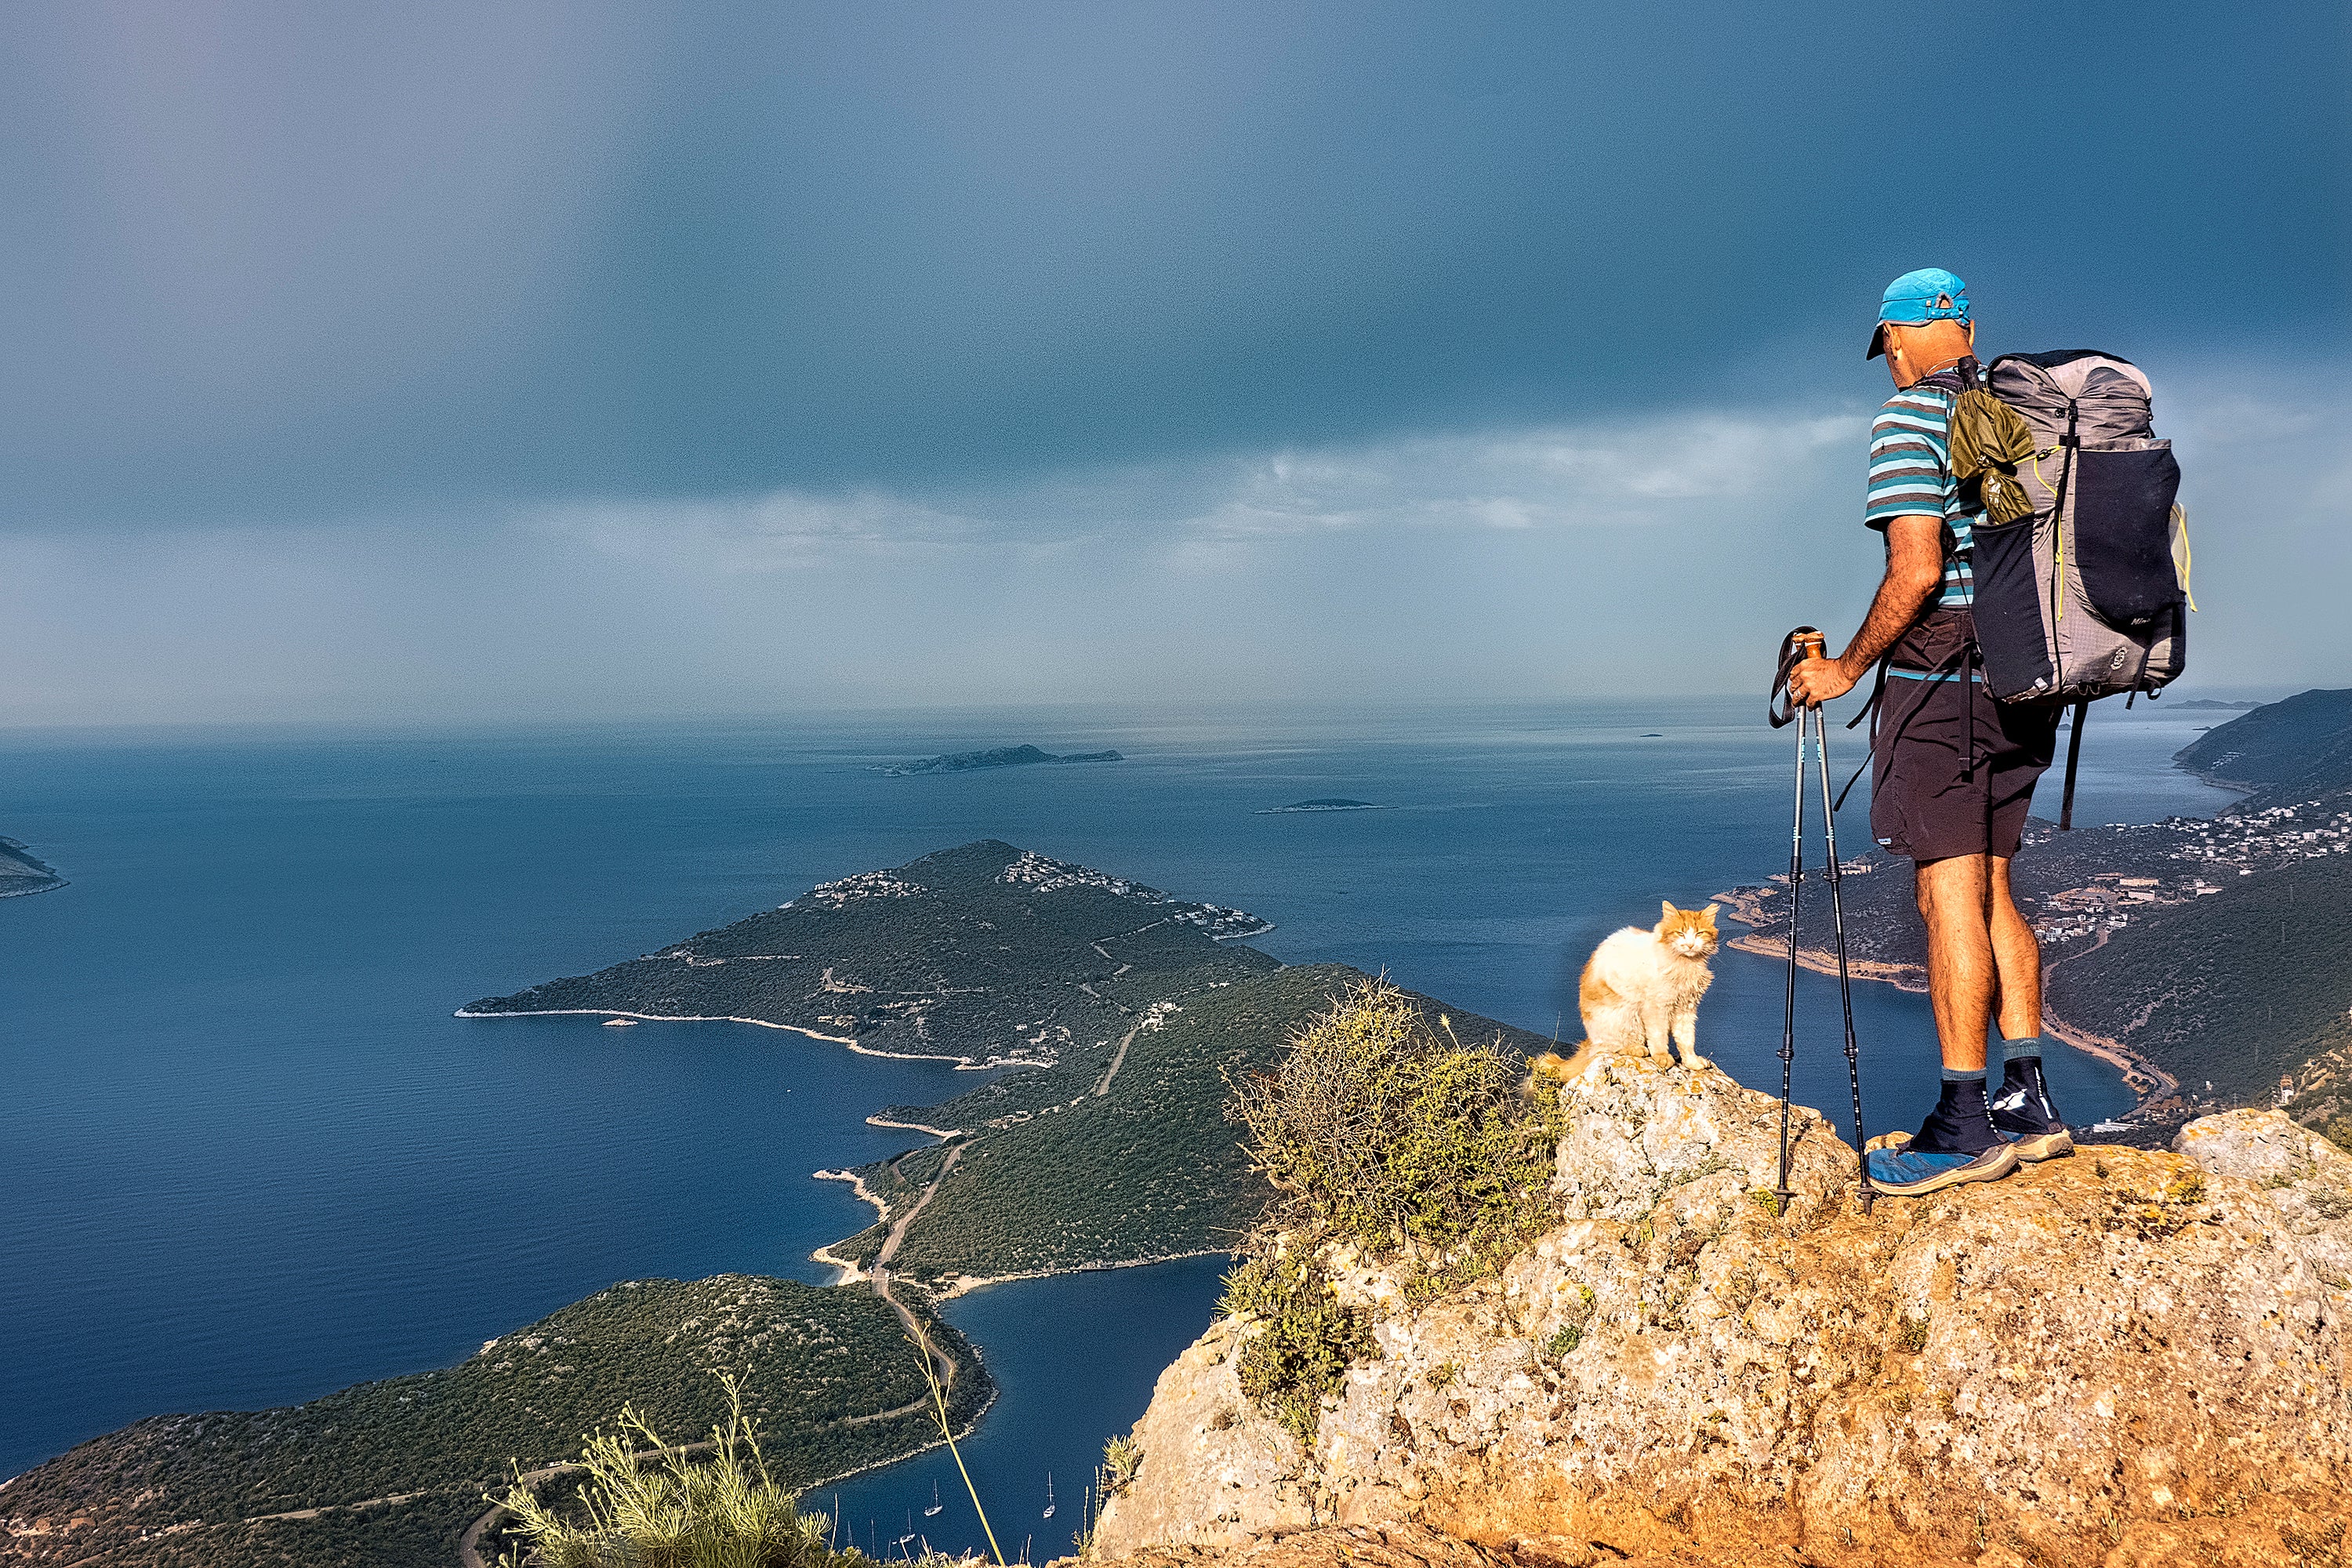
1961 1122
2023 1102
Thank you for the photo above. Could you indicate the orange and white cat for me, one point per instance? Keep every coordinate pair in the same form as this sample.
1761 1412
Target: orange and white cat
1639 993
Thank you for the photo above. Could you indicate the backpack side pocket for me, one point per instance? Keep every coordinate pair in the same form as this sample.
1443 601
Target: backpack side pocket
2122 509
2012 630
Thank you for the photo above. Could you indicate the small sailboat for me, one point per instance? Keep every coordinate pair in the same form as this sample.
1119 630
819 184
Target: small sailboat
1049 1496
908 1539
620 1022
936 1504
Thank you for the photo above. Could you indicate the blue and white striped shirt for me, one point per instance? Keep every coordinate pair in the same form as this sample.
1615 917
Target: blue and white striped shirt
1911 476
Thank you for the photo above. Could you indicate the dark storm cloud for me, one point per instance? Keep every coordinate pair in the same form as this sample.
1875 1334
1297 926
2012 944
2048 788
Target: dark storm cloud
287 262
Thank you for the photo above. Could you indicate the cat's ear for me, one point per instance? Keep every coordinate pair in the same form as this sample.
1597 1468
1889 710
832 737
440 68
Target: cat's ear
1707 914
1670 910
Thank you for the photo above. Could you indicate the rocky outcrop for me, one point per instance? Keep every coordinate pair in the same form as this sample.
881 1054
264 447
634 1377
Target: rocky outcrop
2129 1357
2305 1177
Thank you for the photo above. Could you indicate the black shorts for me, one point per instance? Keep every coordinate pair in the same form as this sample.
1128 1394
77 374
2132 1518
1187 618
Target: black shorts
1952 771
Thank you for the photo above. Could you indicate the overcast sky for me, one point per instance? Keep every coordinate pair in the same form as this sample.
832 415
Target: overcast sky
463 361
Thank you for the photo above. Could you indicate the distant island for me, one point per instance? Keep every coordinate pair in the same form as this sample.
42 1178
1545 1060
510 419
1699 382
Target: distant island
22 872
2192 953
1322 802
2209 705
995 757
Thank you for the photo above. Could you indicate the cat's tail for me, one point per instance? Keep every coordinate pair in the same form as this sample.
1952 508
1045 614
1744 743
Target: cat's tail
1551 1064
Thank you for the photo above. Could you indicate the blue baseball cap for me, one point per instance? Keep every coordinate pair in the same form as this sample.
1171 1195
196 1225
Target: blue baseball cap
1930 294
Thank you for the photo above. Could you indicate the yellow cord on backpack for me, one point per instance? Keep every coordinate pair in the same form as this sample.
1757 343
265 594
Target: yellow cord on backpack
2180 528
2057 527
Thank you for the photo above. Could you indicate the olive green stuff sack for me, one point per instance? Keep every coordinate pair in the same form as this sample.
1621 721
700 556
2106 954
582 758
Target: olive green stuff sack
1989 440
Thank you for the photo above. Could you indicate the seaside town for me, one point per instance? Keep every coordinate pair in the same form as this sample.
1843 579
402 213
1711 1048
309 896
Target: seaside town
2078 887
2144 868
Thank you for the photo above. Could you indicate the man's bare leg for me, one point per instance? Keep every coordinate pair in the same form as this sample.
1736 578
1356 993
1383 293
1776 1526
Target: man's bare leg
2022 1111
1956 901
2017 961
1958 1141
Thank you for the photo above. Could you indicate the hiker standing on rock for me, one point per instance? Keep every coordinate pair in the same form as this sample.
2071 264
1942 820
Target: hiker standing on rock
1952 771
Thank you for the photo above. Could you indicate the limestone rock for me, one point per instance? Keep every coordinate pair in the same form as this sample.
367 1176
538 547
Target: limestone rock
2127 1357
2304 1175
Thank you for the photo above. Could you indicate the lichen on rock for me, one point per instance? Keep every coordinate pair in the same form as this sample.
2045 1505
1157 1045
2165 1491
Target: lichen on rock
2127 1357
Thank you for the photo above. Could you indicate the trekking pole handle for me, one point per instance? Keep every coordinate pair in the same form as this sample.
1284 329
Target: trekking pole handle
1804 643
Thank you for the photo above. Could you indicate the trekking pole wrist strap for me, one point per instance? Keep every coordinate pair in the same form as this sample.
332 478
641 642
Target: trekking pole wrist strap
1779 706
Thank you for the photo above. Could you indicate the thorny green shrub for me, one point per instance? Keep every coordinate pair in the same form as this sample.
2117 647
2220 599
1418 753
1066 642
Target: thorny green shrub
1305 1342
1383 1130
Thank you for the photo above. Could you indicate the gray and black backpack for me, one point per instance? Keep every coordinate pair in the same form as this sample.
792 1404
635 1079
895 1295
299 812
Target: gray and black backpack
2086 594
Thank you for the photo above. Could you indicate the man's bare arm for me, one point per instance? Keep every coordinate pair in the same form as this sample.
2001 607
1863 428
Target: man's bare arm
1915 571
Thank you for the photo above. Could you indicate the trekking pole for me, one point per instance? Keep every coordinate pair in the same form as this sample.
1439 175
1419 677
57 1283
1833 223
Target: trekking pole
1845 985
1781 707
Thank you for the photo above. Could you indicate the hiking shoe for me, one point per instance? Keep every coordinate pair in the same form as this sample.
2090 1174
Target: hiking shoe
2023 1116
2054 1144
1903 1172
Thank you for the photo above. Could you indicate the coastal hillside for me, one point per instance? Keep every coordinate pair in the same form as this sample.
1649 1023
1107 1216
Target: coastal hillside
21 871
2127 1357
2282 752
389 1474
2190 951
2240 989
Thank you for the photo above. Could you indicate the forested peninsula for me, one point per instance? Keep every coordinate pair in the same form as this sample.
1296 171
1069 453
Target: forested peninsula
1126 1011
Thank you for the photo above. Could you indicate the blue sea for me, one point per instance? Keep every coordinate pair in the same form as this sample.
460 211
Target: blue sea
247 1156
